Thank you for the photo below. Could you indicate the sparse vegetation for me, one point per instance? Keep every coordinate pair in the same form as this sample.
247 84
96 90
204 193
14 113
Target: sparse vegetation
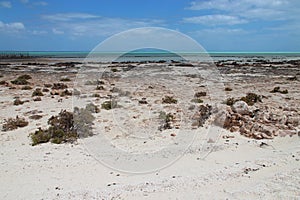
277 90
21 80
35 117
230 101
65 79
251 99
17 102
59 86
37 92
200 94
26 87
65 127
48 85
96 95
99 87
169 100
108 105
167 120
143 101
3 83
92 108
37 99
12 124
65 93
228 89
197 100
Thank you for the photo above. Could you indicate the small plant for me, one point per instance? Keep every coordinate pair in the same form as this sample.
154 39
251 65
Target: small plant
99 87
228 89
3 83
200 94
37 92
114 70
26 87
48 85
45 90
251 99
37 99
65 79
92 108
277 90
35 117
17 102
167 120
58 86
108 105
230 101
21 80
197 100
65 93
96 95
143 101
11 123
169 100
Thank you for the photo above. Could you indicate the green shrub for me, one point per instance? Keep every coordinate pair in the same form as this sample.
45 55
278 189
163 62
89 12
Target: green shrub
65 79
65 127
169 100
21 80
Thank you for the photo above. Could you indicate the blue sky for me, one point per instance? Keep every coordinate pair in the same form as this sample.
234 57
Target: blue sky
218 25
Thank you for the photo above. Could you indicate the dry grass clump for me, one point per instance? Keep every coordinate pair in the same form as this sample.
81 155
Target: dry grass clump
35 117
12 124
17 102
65 93
169 100
21 80
65 127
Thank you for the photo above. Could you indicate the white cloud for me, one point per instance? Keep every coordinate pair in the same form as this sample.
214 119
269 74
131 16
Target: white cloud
38 32
40 3
57 32
5 4
11 27
84 24
69 16
212 20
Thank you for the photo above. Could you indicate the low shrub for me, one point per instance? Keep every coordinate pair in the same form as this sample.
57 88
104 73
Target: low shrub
65 127
200 94
251 99
21 80
277 90
108 105
228 89
197 100
12 124
17 102
37 92
65 79
169 100
26 87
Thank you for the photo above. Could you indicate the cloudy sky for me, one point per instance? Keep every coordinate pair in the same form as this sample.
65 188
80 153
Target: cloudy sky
218 25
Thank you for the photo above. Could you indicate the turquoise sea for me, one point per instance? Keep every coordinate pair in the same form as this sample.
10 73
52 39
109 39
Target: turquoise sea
155 56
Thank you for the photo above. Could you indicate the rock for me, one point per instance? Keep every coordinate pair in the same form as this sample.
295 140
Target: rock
240 107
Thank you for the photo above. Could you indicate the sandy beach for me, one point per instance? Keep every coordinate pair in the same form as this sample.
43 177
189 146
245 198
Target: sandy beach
175 132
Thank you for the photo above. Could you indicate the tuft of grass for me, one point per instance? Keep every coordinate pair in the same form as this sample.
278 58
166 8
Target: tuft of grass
167 120
35 117
58 86
99 87
169 100
92 108
12 124
37 92
37 99
65 93
230 101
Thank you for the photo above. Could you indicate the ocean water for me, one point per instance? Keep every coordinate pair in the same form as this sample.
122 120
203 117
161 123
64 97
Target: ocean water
156 56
